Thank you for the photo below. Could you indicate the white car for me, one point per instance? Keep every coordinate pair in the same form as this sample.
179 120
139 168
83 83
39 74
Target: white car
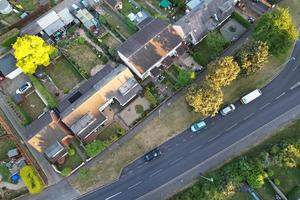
228 109
24 88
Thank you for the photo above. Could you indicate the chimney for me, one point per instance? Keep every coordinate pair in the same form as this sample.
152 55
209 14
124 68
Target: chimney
57 120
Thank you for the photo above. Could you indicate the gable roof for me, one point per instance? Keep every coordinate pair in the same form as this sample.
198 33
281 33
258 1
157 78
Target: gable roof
7 64
149 45
113 3
201 19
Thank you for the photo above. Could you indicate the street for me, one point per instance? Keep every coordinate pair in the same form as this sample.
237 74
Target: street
188 150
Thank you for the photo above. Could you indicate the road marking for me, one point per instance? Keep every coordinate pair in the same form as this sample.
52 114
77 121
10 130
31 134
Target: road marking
175 161
231 127
135 185
192 135
155 172
112 196
264 106
280 95
295 85
249 116
184 140
176 144
195 149
294 69
130 171
213 138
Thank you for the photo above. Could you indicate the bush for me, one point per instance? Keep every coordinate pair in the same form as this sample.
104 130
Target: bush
94 148
241 19
139 109
49 98
66 171
5 174
277 181
121 131
295 193
31 179
81 41
150 97
17 110
71 152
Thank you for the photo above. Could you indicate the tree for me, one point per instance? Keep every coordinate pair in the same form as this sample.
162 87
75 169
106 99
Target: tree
205 99
32 51
222 71
184 77
150 97
277 30
180 4
216 43
31 179
253 57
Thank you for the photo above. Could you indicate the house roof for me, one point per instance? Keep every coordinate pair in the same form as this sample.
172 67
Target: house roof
7 64
55 26
86 18
113 3
66 16
48 19
4 4
54 151
149 45
201 19
194 3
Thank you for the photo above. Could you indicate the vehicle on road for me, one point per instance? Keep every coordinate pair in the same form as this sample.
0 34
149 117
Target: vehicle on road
228 109
153 154
198 126
24 88
251 96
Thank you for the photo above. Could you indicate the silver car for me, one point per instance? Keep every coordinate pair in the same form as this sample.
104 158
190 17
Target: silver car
228 109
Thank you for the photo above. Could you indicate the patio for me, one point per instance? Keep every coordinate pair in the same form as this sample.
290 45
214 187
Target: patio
232 30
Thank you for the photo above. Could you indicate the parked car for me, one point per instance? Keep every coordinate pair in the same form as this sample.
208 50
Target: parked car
228 109
153 154
24 88
198 126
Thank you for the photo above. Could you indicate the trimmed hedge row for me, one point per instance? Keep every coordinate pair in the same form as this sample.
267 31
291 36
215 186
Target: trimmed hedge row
241 19
31 179
51 100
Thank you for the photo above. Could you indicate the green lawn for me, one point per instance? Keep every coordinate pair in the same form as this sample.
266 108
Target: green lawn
108 131
110 41
33 105
64 75
150 10
5 145
10 18
28 5
71 162
128 8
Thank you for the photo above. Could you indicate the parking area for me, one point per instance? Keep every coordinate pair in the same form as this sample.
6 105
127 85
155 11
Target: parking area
232 30
9 86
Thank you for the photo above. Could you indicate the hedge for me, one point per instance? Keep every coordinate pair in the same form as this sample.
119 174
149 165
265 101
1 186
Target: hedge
9 38
18 112
31 179
51 100
241 19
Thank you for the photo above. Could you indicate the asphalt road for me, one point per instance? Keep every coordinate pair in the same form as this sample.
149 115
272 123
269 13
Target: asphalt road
187 150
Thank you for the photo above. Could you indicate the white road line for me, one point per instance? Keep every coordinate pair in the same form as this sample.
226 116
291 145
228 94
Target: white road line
249 116
280 95
175 161
213 138
155 172
264 106
176 144
195 149
135 185
192 135
231 127
294 69
295 85
112 196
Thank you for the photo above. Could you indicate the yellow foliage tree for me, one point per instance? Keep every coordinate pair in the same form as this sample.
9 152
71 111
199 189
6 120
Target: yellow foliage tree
32 51
205 99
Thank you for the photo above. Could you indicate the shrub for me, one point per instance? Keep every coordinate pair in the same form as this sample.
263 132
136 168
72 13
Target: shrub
150 97
49 98
241 19
66 171
4 172
81 41
31 179
295 193
121 131
71 152
277 181
9 38
139 109
94 148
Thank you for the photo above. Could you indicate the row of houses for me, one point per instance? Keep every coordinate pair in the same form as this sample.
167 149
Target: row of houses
154 47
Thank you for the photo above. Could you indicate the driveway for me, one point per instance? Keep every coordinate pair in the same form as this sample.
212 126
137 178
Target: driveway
10 86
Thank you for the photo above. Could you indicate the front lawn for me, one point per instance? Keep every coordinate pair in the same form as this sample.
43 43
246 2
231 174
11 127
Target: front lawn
28 5
33 105
106 133
6 145
71 162
128 8
64 75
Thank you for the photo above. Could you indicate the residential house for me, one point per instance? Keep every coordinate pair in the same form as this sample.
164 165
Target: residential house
8 67
87 19
140 19
114 4
5 7
83 111
150 47
49 24
207 16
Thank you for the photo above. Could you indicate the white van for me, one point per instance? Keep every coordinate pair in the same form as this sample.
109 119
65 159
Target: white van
251 96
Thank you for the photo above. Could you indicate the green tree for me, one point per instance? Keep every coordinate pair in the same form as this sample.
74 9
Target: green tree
31 52
180 4
216 43
184 77
31 179
277 30
150 97
253 57
222 72
205 99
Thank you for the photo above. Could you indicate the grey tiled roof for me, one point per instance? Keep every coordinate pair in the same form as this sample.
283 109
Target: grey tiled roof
7 64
